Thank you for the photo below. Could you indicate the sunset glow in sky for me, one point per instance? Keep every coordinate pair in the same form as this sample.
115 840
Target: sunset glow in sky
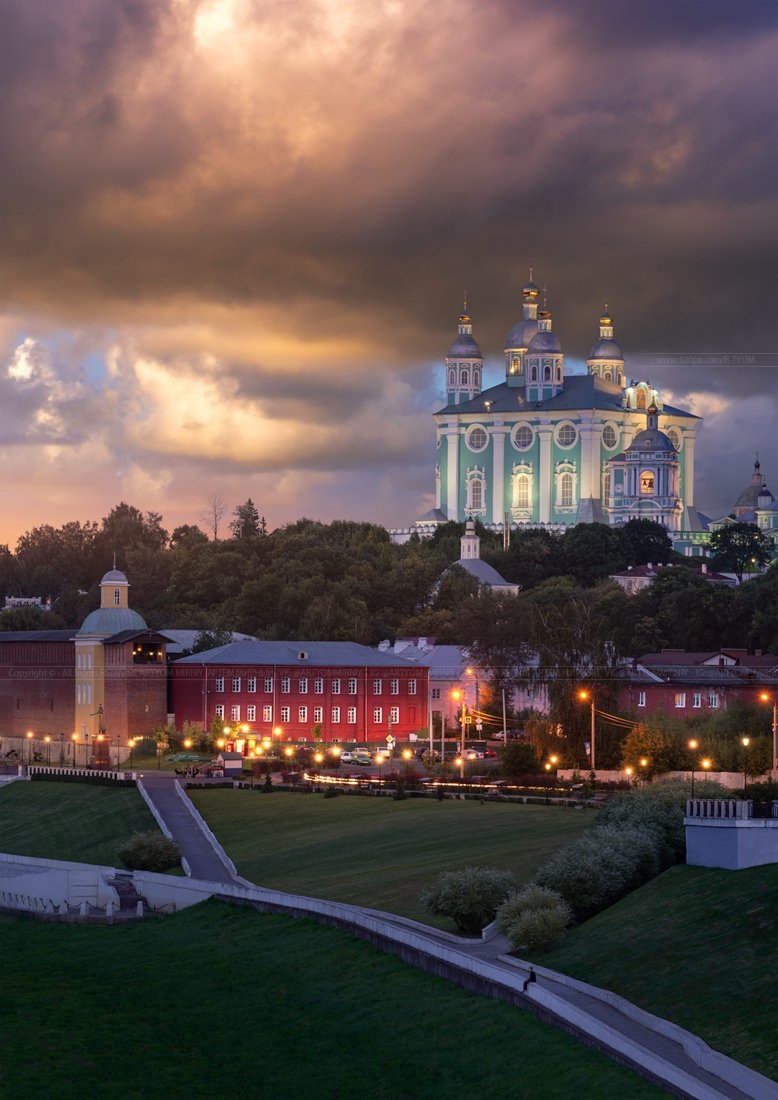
235 234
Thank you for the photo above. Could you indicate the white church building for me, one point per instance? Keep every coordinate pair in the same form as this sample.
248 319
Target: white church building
550 448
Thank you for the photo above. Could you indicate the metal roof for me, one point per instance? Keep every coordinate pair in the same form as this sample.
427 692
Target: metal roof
318 654
38 635
581 391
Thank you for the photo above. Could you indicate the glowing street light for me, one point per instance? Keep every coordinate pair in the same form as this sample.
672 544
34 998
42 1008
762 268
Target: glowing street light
47 739
692 745
30 736
766 698
584 695
74 739
745 742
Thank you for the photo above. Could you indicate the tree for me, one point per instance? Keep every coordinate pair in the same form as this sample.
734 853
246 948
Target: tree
592 551
211 639
471 897
187 536
647 541
246 523
740 548
212 515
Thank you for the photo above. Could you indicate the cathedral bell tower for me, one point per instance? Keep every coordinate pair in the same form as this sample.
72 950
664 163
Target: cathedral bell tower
606 359
545 363
518 339
464 364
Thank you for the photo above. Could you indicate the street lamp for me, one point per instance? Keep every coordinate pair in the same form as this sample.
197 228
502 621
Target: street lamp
131 746
47 739
764 696
584 694
692 744
30 736
379 761
630 772
745 741
278 732
74 739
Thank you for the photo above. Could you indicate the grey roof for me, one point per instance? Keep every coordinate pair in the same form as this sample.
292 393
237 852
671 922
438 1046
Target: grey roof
129 635
37 635
581 391
651 439
544 341
606 349
464 347
434 515
179 640
112 620
750 496
521 334
590 511
253 652
445 662
482 571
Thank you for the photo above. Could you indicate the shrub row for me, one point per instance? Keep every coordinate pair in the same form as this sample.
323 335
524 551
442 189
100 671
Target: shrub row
65 777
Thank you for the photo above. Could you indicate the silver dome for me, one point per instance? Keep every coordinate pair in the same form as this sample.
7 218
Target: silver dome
464 347
521 334
606 349
544 341
651 439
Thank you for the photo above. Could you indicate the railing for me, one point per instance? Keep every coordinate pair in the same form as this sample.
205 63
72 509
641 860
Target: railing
46 908
87 773
723 809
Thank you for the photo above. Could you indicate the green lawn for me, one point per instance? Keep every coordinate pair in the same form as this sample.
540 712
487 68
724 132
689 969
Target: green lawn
74 821
375 851
697 946
224 1002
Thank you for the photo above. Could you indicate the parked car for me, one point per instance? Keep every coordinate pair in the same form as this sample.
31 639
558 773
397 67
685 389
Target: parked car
511 735
362 758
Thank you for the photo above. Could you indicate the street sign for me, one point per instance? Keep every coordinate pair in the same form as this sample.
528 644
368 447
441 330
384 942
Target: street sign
390 740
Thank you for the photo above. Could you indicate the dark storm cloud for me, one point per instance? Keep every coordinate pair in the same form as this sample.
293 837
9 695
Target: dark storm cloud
343 170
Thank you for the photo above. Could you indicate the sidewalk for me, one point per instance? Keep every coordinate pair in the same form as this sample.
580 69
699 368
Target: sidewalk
203 859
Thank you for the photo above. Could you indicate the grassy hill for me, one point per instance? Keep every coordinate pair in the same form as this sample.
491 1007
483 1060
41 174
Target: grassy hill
698 946
75 821
224 1002
374 851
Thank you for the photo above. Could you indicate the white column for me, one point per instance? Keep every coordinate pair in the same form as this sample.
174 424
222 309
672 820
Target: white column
545 479
498 472
451 433
589 435
688 468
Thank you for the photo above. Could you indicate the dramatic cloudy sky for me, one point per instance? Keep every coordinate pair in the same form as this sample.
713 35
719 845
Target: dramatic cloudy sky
234 234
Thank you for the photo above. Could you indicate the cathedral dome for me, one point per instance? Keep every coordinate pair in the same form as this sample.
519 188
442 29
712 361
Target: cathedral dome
606 349
750 496
464 347
114 576
521 334
530 289
544 342
651 439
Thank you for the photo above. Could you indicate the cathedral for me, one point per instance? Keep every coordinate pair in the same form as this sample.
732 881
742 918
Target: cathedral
546 447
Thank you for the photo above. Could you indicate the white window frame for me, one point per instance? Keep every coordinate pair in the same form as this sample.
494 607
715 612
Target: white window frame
412 687
352 716
318 686
378 686
236 683
268 684
251 684
713 700
641 698
394 715
302 713
680 700
303 685
286 714
218 710
318 714
218 684
286 685
696 700
251 713
353 686
394 687
267 713
336 716
378 716
235 712
335 686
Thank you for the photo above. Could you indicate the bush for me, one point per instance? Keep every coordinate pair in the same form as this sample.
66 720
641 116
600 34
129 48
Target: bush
531 897
470 897
331 792
150 852
539 929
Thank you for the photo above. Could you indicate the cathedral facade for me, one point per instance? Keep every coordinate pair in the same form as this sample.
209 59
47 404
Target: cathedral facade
547 447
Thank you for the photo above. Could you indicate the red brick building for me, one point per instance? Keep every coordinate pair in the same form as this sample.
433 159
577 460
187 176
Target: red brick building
81 691
689 684
345 691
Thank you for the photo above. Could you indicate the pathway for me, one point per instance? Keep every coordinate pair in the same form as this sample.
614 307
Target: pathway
635 1040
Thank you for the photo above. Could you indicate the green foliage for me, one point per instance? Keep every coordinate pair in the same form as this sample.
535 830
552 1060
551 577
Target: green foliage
538 930
637 835
518 758
532 897
150 852
740 548
647 541
469 897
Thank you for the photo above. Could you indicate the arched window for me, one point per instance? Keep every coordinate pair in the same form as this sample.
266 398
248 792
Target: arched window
515 365
475 494
641 399
452 377
566 490
476 378
607 376
606 483
547 374
463 378
521 497
647 482
559 374
534 374
117 597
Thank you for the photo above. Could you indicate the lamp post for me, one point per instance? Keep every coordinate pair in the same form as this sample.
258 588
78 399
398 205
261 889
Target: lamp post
74 739
763 695
692 744
30 736
630 772
47 739
131 746
584 694
379 761
745 741
61 749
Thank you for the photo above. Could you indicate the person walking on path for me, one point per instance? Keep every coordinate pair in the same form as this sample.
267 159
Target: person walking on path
531 977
